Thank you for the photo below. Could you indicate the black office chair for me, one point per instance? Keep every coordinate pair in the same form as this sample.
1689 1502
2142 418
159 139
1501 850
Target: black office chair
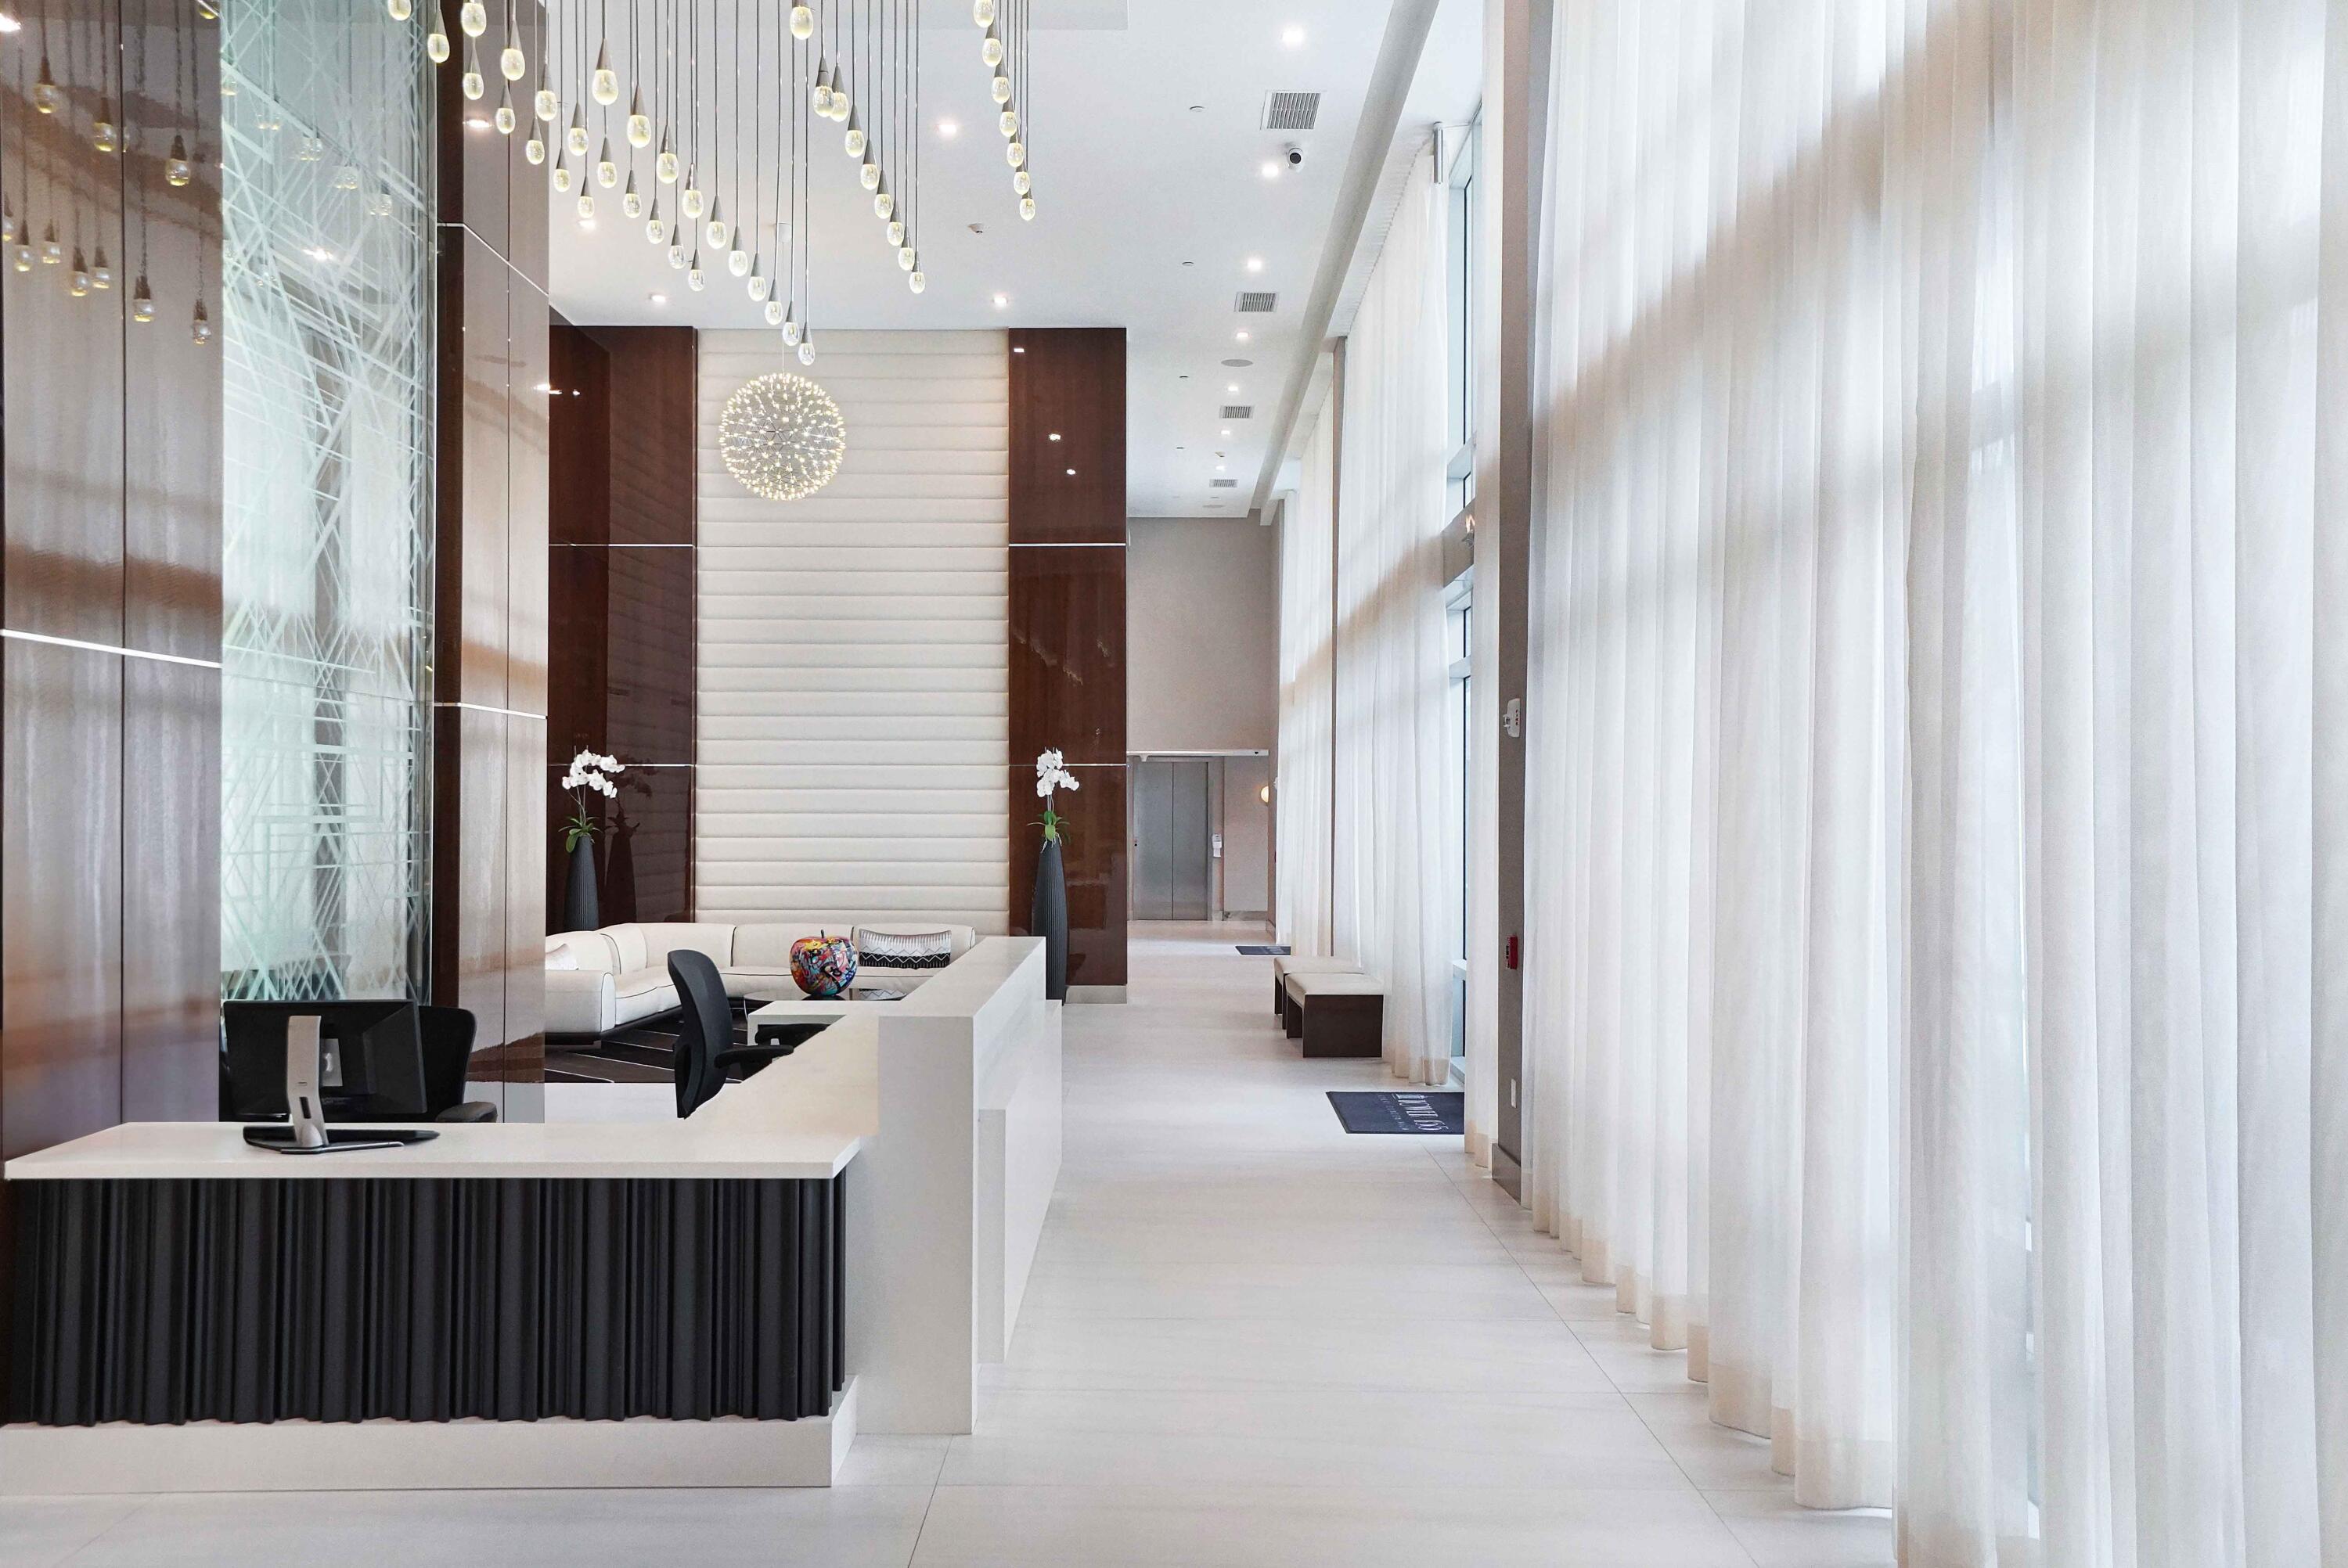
705 1051
446 1035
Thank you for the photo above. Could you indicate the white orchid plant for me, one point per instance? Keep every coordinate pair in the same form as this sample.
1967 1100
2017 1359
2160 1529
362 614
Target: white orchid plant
589 771
1052 773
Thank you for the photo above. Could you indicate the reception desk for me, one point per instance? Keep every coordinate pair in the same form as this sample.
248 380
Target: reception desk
725 1300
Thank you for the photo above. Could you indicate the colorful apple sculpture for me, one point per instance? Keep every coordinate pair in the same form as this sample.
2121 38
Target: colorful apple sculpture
822 965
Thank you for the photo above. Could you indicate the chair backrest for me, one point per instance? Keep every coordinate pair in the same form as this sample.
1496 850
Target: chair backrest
706 1027
446 1036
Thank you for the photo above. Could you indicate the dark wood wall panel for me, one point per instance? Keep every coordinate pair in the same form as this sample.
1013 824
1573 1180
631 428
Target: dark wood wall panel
622 598
1067 671
109 534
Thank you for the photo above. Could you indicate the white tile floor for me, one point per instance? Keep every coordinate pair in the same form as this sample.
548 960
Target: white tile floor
1251 1340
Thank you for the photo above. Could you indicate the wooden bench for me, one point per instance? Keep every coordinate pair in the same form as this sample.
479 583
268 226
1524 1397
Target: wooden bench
1336 1014
1306 964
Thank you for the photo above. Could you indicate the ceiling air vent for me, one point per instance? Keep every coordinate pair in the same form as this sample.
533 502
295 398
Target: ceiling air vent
1290 111
1239 411
1254 303
1222 484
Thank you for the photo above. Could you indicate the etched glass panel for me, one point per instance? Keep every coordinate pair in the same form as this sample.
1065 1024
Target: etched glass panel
327 335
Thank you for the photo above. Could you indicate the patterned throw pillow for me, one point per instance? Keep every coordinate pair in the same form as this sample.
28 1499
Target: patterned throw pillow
903 949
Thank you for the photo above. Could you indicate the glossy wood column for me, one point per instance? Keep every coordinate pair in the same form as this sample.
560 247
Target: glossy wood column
622 598
109 582
490 619
1067 630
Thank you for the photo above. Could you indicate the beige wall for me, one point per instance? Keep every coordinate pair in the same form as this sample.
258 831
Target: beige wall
1247 836
1201 635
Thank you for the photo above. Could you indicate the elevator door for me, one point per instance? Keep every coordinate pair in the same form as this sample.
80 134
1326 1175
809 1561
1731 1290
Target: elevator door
1173 839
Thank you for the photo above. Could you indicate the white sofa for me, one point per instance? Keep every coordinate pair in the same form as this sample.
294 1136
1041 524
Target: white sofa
599 981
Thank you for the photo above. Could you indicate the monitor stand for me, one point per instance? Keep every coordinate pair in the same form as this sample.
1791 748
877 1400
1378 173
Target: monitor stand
286 1140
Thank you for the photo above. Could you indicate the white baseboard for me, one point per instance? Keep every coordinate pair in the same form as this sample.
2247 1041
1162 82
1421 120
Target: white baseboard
375 1456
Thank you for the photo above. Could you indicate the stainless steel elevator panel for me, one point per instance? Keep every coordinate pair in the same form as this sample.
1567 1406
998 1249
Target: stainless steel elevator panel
1173 838
1193 835
1153 840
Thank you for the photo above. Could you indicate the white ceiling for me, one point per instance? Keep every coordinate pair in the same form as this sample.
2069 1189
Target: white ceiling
1148 210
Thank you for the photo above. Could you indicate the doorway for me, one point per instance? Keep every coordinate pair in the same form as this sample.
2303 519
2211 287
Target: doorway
1173 838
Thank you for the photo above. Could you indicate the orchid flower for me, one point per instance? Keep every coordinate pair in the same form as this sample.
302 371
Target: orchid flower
589 771
1052 773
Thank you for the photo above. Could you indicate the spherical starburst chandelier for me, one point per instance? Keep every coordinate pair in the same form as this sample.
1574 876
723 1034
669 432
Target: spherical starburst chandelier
782 436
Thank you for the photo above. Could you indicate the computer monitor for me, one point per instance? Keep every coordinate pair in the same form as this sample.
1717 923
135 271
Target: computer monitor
373 1059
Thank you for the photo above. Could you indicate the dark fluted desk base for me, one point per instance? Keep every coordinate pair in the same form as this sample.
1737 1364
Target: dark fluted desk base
430 1300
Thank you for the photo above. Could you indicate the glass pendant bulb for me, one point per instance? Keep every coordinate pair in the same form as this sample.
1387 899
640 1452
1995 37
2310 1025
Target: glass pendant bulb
473 18
1027 207
718 230
1007 123
576 138
101 133
738 263
821 99
436 44
1021 183
991 52
757 285
142 301
630 202
982 12
869 176
52 252
79 286
177 169
884 206
640 124
664 165
1001 88
607 86
896 231
807 352
545 105
45 97
838 96
693 278
802 21
505 118
586 207
535 148
511 64
774 312
904 258
691 203
561 175
474 84
607 173
401 10
915 281
1015 154
854 141
676 258
656 226
23 258
8 225
790 329
199 326
101 271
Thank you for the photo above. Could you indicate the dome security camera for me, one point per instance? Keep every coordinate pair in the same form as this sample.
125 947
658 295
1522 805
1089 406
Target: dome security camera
1294 155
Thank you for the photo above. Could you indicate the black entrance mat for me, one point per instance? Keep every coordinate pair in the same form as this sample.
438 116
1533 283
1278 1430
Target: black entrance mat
1436 1111
1261 950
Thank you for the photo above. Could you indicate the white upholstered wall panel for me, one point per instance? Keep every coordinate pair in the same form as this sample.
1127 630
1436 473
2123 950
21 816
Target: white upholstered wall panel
852 720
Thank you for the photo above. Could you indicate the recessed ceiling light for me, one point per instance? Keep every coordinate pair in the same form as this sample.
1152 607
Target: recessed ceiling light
546 386
1233 386
1227 434
657 299
474 122
1054 436
1018 350
1071 473
1002 302
1269 169
1219 467
949 130
1255 264
1293 35
1238 337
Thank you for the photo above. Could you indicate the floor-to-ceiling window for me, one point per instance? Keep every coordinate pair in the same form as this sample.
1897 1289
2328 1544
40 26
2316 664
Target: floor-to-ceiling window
326 334
1459 152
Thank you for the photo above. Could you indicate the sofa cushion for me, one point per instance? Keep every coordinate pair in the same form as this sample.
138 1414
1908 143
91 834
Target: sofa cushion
591 949
647 945
767 945
882 949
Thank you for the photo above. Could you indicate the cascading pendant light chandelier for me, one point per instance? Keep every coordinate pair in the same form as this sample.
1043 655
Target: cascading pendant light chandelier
782 436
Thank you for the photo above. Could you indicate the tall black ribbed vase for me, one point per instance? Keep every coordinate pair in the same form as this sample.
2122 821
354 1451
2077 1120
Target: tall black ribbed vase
1048 918
578 900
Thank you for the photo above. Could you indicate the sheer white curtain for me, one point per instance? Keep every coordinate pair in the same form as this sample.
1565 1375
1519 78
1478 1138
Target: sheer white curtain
1397 864
1301 802
1938 700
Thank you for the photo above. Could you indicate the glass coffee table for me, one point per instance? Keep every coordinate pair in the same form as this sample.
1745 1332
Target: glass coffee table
777 1022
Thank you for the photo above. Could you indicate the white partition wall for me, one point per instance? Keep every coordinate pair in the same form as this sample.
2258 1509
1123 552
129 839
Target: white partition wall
852 719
